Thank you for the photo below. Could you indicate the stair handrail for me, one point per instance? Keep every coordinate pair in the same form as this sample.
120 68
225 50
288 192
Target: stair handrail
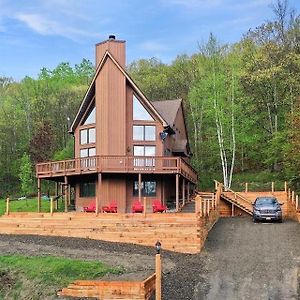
232 191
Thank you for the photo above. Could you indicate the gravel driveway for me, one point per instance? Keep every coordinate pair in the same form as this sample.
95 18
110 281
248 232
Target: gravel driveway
241 260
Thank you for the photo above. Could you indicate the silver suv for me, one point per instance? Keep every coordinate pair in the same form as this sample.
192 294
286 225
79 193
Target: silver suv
267 208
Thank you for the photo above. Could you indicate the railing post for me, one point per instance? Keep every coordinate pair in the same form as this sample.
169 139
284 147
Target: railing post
246 187
145 206
208 210
285 186
51 206
289 194
272 186
293 196
197 204
204 208
216 185
297 202
7 206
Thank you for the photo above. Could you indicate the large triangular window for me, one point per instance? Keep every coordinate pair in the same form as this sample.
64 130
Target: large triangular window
91 117
139 111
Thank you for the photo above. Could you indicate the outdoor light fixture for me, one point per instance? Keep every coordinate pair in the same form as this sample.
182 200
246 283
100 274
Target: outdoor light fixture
163 135
158 247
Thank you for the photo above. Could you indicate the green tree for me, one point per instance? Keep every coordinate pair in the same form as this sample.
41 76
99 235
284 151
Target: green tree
26 174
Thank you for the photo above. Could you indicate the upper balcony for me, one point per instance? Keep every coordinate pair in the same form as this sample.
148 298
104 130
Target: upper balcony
117 164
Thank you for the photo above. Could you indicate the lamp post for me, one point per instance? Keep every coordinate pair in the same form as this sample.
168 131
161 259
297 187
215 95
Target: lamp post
157 271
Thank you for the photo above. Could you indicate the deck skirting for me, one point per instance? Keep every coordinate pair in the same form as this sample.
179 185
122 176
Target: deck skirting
179 232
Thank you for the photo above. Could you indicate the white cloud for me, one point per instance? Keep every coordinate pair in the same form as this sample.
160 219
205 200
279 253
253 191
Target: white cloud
44 26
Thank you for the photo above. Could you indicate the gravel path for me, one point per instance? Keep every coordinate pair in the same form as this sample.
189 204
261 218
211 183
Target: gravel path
241 260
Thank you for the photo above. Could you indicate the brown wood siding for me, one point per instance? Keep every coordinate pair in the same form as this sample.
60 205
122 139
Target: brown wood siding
110 111
114 188
116 48
180 129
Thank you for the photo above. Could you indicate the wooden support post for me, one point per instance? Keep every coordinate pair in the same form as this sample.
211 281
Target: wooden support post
69 194
216 185
99 191
232 209
145 206
272 186
297 202
208 207
213 199
204 208
56 189
7 206
51 206
293 196
66 194
157 277
163 191
188 191
285 186
246 187
140 187
177 192
289 194
197 204
183 191
39 195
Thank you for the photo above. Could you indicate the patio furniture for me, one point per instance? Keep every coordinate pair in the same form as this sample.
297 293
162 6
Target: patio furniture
158 207
90 208
137 207
111 208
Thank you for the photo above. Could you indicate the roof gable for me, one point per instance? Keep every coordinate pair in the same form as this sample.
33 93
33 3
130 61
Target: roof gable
168 109
91 93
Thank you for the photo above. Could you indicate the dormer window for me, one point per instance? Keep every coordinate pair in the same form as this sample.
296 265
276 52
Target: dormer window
139 111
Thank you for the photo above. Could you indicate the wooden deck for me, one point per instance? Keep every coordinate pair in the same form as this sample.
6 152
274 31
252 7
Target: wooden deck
117 164
180 232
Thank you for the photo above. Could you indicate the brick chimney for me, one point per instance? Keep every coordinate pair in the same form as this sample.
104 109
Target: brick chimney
115 47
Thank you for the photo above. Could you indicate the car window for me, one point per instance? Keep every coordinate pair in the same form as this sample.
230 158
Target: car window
266 201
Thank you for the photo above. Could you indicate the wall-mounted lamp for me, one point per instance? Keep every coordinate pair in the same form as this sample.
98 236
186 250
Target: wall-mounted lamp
163 135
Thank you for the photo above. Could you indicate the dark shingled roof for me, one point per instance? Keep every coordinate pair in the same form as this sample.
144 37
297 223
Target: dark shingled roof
168 109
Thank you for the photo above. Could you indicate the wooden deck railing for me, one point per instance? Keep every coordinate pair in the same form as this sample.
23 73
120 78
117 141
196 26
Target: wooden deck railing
117 164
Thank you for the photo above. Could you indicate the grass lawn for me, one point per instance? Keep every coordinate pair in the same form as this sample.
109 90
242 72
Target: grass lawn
40 277
29 205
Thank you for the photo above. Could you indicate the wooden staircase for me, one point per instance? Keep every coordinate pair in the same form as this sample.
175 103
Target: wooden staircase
235 198
238 200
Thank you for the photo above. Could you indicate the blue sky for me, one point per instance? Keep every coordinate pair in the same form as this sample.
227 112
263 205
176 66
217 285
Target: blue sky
43 33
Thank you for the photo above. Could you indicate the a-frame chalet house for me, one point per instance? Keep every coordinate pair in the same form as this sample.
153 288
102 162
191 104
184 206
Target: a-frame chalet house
126 147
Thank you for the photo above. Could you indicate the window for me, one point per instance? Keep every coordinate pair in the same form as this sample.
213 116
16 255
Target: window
87 136
144 150
143 133
91 117
139 111
87 189
148 188
86 152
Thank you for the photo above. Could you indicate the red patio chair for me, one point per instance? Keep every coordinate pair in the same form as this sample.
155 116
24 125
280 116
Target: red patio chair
158 207
90 208
137 207
111 208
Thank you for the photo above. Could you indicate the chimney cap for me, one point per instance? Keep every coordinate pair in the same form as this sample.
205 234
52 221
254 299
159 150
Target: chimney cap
111 37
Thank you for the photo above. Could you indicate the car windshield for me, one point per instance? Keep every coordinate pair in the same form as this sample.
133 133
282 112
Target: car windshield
266 201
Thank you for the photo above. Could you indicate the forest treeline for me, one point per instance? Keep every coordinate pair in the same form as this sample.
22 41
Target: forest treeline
241 102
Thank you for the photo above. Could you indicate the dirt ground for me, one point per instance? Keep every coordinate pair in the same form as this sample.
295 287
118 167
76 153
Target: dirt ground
241 260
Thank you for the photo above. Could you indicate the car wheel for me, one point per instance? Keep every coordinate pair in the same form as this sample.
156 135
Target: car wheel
280 221
254 220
